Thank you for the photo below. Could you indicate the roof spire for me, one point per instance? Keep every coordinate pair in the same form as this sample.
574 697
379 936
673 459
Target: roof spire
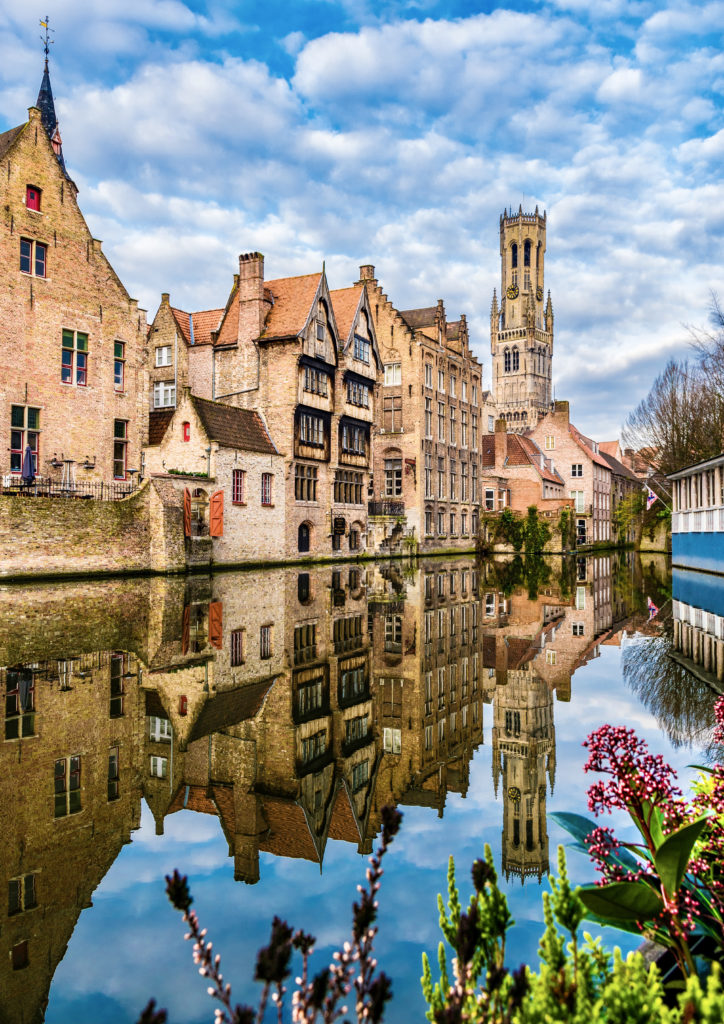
45 102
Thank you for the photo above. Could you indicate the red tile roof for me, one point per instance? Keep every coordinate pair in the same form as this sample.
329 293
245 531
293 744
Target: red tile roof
521 451
342 824
196 328
293 298
345 303
585 443
289 834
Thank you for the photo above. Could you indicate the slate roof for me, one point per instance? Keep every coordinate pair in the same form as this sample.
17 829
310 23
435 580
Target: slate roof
158 422
292 301
233 427
345 302
423 317
453 330
8 138
618 467
229 707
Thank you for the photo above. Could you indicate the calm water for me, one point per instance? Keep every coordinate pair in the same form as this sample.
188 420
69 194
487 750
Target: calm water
248 728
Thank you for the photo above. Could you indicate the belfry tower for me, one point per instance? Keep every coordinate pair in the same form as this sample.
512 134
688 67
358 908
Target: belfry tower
521 326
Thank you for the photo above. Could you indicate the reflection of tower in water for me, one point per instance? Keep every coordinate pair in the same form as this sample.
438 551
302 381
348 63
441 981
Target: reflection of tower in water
523 754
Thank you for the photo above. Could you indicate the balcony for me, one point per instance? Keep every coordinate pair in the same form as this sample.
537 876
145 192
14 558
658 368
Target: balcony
386 508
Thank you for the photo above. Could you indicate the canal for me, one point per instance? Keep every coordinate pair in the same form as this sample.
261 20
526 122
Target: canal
247 728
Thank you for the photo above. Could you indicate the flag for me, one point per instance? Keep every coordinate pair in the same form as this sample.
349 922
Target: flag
653 610
650 498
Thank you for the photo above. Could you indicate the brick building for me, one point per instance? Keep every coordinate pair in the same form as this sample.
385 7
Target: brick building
517 474
586 473
72 348
521 325
180 353
427 440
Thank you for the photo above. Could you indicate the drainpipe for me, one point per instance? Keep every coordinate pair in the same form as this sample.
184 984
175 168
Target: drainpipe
175 369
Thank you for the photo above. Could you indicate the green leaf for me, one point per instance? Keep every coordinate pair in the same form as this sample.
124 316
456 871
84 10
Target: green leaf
580 827
702 768
622 901
672 857
654 819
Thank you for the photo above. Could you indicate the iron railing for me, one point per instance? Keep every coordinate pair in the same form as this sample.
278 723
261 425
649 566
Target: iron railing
386 508
115 491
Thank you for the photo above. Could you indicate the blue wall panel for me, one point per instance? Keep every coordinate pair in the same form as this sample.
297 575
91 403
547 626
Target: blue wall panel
698 551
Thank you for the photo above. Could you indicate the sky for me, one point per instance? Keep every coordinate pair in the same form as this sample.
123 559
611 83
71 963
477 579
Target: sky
396 133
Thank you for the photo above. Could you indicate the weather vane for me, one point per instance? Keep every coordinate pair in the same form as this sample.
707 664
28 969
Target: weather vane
46 40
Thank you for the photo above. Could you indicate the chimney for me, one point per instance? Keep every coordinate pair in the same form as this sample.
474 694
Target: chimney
367 273
165 298
251 296
561 411
501 442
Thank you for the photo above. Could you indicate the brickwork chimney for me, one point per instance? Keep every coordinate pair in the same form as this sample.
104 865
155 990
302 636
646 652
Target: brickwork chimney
367 273
561 411
501 442
251 296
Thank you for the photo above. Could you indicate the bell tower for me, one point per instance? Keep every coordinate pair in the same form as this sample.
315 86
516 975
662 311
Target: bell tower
521 325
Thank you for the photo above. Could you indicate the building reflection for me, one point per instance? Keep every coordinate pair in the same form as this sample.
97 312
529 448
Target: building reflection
292 706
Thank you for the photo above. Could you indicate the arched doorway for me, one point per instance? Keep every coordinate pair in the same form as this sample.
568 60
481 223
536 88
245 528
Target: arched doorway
303 537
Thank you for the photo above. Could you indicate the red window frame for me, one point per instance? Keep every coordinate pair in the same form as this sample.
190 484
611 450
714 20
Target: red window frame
120 448
238 487
32 197
187 432
119 365
22 435
74 358
266 488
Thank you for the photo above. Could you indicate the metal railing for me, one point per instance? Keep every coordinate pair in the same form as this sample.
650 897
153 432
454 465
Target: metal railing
115 491
386 508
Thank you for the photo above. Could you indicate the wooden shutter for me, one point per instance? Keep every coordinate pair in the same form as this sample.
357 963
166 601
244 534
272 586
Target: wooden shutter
216 514
216 631
186 629
187 512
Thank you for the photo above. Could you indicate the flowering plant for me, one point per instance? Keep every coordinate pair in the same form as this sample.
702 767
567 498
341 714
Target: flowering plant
669 885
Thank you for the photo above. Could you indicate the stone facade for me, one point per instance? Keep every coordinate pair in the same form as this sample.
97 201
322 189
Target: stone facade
73 344
427 455
521 326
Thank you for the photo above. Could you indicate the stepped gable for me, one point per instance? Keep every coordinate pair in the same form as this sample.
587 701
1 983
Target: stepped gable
158 422
233 427
229 707
292 299
288 834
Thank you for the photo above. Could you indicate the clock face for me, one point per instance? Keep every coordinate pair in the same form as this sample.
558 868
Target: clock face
514 794
539 294
512 291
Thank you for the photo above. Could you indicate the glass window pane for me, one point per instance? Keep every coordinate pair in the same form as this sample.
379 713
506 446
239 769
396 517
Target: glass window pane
67 339
118 349
39 260
82 342
17 416
33 419
25 256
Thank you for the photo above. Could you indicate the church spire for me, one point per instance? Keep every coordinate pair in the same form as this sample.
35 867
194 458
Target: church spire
45 103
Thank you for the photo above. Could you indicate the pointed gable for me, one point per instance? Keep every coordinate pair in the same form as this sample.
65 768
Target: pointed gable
346 303
292 302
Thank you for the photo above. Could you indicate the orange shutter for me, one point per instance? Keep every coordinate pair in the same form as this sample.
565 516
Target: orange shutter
186 629
216 624
216 514
187 512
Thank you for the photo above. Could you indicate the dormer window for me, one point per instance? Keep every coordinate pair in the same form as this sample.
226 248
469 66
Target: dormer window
32 197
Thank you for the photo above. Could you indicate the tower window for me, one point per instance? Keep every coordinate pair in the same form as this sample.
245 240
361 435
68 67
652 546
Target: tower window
506 360
516 359
526 253
514 255
32 197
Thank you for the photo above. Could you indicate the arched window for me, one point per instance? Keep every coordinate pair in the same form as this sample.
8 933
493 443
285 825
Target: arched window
506 360
526 253
303 537
538 255
516 359
514 255
516 416
524 415
303 588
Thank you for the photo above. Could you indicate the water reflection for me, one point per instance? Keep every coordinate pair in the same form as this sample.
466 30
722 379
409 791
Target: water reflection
291 706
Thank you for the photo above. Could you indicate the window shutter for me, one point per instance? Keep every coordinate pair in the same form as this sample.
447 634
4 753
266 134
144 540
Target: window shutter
186 629
216 514
187 512
216 624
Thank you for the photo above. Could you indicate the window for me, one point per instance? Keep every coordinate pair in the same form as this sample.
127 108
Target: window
393 374
464 428
33 257
119 365
441 380
428 522
32 197
117 666
580 599
186 431
266 488
159 767
311 430
114 784
66 779
74 358
452 425
310 697
514 255
19 955
237 652
392 413
315 381
360 775
475 431
550 442
506 360
393 477
353 439
428 417
356 728
19 703
453 383
159 729
21 894
163 355
452 529
393 634
392 741
577 469
265 642
550 657
24 432
578 497
577 628
428 375
358 394
361 349
441 524
305 482
475 394
464 391
489 500
348 487
164 394
441 478
441 421
428 476
463 481
491 424
516 359
305 643
314 746
453 482
120 449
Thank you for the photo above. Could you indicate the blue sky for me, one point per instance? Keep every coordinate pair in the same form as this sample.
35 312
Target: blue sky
395 134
